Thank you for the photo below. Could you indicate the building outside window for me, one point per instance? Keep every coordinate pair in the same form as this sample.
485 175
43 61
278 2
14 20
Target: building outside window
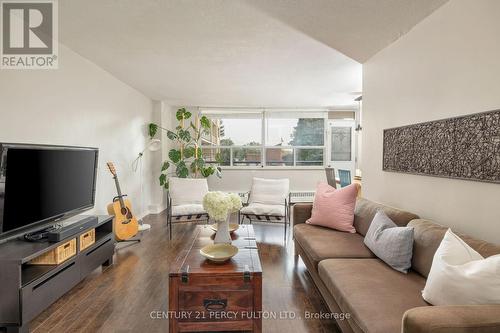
266 139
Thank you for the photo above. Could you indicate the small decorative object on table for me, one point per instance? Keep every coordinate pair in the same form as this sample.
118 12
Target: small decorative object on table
219 253
219 206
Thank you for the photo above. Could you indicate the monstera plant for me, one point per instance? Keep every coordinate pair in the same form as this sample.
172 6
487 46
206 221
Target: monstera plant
186 159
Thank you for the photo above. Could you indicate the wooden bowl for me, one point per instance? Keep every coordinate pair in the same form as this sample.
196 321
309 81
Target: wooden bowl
232 227
219 253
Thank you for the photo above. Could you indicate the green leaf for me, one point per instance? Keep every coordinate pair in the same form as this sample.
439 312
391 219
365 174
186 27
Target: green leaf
165 166
200 162
166 185
189 152
218 158
200 152
203 173
152 129
174 155
218 172
207 171
192 167
185 135
180 114
182 171
163 179
197 164
187 114
171 135
205 122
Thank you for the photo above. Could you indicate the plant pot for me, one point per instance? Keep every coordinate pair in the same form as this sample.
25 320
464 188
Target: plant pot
223 235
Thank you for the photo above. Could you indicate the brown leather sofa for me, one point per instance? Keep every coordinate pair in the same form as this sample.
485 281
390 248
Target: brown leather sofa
378 298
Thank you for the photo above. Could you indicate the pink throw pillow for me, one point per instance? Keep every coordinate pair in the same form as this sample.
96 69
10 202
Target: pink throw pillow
334 208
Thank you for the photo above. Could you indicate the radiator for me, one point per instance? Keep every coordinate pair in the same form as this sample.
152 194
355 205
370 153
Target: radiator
295 196
301 196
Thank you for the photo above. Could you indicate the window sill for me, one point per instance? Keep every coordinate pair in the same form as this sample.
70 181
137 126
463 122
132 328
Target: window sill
270 168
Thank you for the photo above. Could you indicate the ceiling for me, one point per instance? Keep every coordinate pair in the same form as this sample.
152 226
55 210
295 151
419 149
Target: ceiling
357 28
238 52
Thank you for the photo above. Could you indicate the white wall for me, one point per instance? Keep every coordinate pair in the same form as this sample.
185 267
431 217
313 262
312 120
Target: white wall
448 65
80 104
157 202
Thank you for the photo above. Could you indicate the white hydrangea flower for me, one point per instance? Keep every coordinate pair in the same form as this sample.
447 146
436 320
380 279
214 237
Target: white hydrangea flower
236 202
219 204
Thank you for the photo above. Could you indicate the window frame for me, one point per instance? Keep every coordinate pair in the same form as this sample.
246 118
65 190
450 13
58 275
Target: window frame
263 147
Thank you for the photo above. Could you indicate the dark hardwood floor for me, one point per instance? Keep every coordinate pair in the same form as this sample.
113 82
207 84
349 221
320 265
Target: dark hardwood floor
122 297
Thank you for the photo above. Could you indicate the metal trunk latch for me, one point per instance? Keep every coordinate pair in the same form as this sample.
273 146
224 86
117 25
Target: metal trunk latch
246 274
184 274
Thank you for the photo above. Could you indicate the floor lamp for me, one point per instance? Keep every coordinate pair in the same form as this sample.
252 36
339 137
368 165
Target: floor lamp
153 145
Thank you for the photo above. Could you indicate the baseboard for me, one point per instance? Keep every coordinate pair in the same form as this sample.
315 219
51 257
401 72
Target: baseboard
156 209
152 209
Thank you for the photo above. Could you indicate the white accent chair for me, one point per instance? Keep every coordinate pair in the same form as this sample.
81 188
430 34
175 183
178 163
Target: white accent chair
267 201
185 200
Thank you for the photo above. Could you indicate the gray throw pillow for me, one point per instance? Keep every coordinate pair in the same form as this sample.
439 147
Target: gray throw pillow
391 243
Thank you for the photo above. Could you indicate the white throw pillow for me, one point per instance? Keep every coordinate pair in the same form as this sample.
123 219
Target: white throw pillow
269 191
187 191
460 276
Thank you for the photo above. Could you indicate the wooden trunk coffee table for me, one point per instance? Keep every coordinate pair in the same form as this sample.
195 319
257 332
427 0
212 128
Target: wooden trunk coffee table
204 296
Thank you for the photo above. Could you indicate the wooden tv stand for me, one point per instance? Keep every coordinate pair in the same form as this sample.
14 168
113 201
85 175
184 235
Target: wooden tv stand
26 290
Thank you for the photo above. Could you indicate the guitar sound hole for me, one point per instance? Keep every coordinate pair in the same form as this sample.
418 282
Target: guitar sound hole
124 211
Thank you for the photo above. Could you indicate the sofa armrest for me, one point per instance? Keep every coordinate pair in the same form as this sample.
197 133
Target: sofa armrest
452 319
301 212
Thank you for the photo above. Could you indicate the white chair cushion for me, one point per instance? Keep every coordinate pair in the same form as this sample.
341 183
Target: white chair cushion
187 191
192 209
263 209
460 276
269 191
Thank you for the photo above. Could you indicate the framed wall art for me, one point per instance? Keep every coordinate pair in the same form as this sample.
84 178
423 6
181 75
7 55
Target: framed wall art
465 147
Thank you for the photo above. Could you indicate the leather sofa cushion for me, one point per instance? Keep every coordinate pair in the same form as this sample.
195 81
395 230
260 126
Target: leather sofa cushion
373 293
321 243
427 237
365 211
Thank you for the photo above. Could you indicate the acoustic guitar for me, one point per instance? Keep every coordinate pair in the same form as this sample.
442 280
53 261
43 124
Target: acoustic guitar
124 223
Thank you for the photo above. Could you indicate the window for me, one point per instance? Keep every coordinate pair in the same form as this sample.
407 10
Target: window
279 156
271 139
217 155
294 139
241 132
239 138
341 143
295 131
309 156
247 156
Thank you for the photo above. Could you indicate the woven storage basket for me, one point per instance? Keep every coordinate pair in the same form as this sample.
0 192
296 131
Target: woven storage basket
58 255
87 239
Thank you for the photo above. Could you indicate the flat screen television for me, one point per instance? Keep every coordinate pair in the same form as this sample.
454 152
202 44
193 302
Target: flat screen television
40 185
